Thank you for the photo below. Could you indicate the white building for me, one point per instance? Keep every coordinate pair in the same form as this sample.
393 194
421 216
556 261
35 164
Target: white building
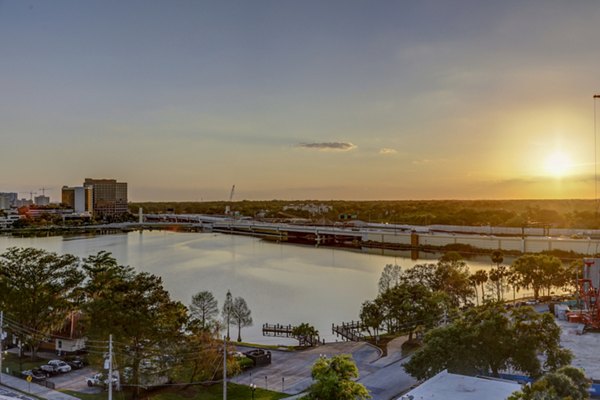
449 386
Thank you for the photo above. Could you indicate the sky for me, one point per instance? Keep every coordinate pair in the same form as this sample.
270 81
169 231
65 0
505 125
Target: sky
323 100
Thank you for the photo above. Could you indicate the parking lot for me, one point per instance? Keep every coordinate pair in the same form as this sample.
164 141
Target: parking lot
75 380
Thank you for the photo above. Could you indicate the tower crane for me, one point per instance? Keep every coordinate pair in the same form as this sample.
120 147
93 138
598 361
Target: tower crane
232 192
44 190
228 207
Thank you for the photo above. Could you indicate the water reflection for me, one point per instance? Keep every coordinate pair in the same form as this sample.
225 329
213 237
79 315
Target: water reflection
282 283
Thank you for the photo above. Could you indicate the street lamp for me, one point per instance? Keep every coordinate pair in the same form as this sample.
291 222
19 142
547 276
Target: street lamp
253 388
596 96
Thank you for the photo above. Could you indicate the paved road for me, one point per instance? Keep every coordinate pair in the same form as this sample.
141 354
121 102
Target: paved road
289 372
9 381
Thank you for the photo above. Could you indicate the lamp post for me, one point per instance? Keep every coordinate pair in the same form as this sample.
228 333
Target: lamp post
253 388
596 96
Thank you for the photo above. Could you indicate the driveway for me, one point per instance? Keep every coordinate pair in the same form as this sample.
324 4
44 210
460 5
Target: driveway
289 371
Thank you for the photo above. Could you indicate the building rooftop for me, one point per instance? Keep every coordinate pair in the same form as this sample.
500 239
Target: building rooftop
449 386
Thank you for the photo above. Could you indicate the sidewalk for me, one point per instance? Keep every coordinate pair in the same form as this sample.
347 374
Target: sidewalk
33 388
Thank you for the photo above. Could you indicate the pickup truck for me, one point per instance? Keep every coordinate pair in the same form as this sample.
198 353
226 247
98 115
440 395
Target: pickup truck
56 366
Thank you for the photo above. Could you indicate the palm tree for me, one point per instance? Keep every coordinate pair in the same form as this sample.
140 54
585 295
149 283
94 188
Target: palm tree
480 277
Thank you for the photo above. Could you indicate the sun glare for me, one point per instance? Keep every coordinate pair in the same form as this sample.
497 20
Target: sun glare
558 164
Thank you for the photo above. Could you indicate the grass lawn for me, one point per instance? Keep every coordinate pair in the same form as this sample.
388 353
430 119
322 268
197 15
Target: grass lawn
214 392
11 361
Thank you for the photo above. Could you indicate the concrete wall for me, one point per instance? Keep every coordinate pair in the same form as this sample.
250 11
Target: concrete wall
533 244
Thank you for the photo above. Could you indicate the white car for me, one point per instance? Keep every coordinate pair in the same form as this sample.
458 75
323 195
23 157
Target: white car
100 380
55 366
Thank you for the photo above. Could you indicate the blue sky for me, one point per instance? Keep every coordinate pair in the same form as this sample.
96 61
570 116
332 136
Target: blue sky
300 99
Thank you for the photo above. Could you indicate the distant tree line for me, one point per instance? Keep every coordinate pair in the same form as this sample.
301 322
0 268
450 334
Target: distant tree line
511 213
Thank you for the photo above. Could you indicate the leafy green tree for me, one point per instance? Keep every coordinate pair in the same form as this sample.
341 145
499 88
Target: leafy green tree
390 277
241 315
372 316
227 311
487 339
138 311
410 305
538 271
38 290
202 356
204 308
306 333
567 383
334 379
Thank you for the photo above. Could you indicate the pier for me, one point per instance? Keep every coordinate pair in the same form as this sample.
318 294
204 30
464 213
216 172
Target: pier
278 330
351 331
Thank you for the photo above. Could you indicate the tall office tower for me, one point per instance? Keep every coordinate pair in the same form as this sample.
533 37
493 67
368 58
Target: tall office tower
110 196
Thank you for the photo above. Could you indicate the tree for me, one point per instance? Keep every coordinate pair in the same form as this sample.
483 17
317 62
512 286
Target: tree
452 277
497 257
334 379
567 383
480 277
240 313
538 271
306 334
204 308
227 310
202 356
372 316
38 290
410 305
498 281
390 277
488 339
138 311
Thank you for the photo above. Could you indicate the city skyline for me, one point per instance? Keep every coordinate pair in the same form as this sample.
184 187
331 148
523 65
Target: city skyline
300 100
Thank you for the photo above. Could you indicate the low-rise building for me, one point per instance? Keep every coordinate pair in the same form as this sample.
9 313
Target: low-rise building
449 386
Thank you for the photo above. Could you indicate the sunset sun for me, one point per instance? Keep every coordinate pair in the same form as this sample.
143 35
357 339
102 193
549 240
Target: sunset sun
557 164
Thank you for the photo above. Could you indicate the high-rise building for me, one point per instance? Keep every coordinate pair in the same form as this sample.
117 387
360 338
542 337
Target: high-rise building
79 198
41 200
109 197
7 200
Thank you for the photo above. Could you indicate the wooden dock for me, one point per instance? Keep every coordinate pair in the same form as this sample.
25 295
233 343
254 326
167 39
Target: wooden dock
351 331
277 330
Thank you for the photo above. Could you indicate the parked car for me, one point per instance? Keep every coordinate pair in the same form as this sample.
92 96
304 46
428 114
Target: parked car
56 366
76 363
100 379
36 374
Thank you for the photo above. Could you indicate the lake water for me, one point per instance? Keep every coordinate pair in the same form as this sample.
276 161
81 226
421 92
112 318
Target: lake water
282 283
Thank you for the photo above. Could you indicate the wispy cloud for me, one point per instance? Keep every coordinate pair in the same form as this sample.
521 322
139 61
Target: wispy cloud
329 146
386 151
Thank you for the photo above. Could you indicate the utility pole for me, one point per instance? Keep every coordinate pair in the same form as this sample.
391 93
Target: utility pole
1 338
110 367
225 366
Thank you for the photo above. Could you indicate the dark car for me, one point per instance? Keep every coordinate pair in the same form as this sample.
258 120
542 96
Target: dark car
76 363
36 374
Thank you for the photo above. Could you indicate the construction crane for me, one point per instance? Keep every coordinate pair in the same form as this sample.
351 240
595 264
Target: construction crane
228 207
44 190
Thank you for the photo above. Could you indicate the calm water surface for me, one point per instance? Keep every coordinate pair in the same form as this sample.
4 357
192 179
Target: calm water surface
282 283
